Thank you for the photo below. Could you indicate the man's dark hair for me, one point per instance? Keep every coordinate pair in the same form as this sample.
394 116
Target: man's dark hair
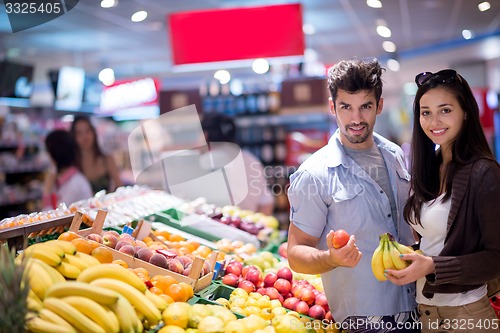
355 75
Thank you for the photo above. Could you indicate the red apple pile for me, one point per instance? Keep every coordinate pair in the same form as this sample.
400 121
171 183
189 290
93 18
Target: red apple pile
299 296
168 259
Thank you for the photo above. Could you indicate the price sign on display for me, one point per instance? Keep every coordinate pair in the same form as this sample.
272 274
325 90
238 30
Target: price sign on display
28 14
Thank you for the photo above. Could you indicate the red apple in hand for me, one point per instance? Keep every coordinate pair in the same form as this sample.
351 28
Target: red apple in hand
282 250
340 238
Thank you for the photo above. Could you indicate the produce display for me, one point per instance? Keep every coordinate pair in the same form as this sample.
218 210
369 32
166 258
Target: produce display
296 295
75 290
265 227
94 280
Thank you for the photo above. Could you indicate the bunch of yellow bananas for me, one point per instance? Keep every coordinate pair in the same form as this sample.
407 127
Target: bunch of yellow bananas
48 264
61 256
387 256
106 298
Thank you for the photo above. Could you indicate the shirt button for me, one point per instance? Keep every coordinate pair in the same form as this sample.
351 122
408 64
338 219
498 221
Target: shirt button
427 312
388 215
381 191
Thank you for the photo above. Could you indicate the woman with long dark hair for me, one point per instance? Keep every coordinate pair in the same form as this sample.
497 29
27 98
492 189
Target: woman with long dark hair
454 207
100 169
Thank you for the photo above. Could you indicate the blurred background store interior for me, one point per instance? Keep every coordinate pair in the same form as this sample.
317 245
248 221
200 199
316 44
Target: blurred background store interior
95 60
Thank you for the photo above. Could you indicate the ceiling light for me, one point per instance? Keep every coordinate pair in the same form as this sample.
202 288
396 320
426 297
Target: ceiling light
374 3
108 3
222 76
260 66
384 31
389 46
236 87
467 34
308 29
107 76
484 6
139 16
393 65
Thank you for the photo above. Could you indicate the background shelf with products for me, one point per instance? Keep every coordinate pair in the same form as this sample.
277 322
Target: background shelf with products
280 123
21 179
22 166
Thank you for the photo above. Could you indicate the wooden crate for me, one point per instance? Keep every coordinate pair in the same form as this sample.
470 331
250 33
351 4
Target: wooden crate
193 279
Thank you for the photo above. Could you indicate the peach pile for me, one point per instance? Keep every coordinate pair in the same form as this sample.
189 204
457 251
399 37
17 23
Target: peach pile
177 255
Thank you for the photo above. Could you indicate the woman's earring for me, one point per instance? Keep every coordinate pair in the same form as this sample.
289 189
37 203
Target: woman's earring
465 116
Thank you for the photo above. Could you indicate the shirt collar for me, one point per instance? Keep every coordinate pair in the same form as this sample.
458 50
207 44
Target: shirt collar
337 154
66 175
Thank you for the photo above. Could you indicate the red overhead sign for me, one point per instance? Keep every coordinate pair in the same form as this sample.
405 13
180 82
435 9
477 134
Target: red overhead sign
236 34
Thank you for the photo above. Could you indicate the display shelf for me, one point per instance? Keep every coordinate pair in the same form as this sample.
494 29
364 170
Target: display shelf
186 235
211 293
5 202
203 227
216 290
14 146
12 171
17 237
316 115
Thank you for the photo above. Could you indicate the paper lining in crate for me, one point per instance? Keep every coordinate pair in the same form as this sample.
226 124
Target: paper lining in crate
193 279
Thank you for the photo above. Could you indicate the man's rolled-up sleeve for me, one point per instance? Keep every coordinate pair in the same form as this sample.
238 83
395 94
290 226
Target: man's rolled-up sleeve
308 209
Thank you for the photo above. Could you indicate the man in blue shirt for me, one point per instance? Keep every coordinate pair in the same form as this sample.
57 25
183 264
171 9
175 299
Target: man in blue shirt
357 182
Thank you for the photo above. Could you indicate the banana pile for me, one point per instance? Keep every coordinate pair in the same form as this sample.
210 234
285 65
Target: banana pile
386 256
53 262
105 298
61 256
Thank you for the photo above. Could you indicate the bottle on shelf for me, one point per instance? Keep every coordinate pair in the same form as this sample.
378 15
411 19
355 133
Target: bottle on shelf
236 90
273 98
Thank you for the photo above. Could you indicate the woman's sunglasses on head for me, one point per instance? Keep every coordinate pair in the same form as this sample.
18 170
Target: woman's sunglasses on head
444 76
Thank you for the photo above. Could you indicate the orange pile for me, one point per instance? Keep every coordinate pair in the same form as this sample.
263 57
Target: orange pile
166 286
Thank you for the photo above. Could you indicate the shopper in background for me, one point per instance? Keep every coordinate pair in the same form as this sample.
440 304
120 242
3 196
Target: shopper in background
67 184
358 182
454 207
221 128
100 169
